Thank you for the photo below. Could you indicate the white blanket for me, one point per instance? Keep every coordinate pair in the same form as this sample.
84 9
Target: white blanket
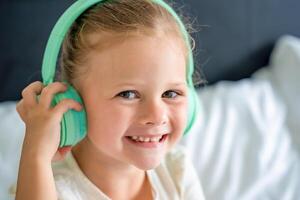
245 144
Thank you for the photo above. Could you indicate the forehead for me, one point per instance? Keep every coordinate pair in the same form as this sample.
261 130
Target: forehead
136 56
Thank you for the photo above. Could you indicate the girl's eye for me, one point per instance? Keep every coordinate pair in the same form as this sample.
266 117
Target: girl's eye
127 94
171 94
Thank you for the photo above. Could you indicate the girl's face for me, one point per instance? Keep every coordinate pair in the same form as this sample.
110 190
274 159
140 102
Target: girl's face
135 95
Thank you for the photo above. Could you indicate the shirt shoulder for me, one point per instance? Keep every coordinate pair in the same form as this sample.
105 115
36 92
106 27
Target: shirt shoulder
66 182
71 183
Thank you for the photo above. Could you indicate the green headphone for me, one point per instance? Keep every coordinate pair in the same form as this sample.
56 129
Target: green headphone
74 123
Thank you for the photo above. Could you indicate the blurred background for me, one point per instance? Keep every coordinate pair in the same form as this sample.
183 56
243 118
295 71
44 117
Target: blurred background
245 143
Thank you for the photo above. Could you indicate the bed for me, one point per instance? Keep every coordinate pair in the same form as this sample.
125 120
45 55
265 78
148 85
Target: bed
245 143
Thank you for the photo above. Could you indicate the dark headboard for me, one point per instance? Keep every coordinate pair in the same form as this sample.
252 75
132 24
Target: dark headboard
236 36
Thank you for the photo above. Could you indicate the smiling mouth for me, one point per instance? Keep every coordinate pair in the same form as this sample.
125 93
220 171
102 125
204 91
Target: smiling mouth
142 139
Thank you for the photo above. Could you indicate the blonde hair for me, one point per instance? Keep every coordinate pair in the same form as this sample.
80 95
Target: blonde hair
114 20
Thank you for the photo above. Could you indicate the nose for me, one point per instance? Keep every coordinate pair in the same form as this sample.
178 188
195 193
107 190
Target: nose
153 112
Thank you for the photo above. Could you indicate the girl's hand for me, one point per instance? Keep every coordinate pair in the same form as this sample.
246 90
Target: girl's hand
42 135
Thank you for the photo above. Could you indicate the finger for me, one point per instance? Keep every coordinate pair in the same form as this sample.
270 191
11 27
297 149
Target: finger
20 108
19 105
65 105
49 92
30 92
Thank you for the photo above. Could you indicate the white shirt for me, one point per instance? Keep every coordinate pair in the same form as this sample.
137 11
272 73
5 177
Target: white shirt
175 178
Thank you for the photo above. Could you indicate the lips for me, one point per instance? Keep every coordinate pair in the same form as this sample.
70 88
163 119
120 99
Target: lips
150 138
146 139
148 144
141 132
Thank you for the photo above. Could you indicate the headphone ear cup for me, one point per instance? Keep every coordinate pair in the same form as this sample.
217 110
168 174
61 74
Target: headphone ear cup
193 105
73 123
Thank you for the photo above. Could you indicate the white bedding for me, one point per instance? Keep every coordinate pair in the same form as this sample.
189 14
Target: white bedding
245 144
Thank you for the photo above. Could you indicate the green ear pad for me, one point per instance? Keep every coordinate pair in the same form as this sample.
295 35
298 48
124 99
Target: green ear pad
73 123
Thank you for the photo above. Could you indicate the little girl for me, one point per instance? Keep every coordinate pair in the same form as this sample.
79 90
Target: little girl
127 59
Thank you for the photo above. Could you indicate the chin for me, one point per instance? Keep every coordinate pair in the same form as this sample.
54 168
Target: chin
148 163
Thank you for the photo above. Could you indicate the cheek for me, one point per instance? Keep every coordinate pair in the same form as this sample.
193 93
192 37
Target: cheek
108 119
179 122
179 116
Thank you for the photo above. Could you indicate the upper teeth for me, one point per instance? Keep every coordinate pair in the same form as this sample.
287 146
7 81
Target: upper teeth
146 139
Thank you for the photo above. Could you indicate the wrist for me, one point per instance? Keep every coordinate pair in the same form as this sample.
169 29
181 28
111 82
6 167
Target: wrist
35 151
32 154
